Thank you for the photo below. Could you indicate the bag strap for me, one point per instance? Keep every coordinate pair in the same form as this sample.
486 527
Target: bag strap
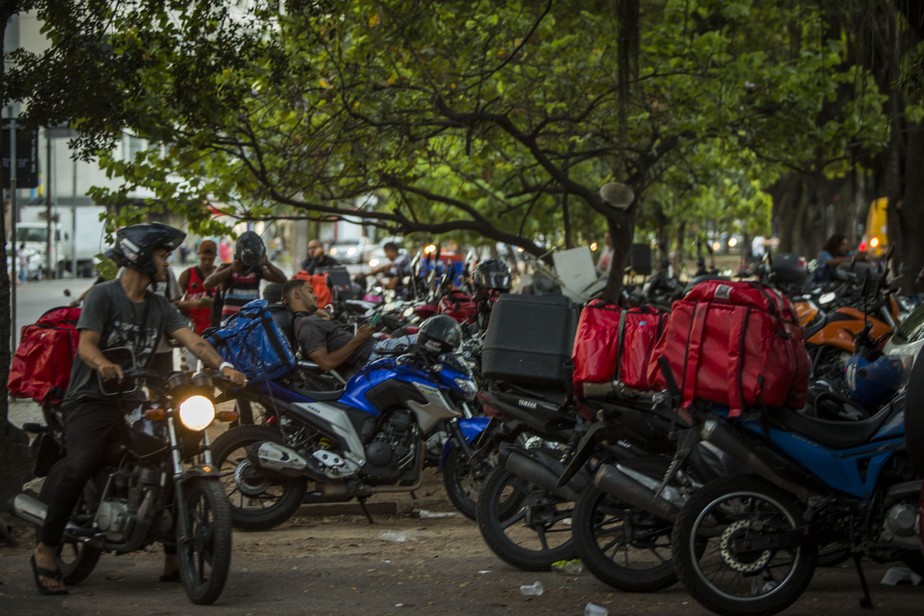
693 353
736 354
620 342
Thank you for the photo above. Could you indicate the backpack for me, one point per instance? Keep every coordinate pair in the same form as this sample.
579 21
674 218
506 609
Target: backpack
254 342
320 286
615 343
737 344
41 366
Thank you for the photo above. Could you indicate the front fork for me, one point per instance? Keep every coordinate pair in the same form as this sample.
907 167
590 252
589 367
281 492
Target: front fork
181 475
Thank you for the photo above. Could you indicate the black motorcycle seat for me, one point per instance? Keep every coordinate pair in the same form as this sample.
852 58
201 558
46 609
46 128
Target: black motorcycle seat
319 396
834 434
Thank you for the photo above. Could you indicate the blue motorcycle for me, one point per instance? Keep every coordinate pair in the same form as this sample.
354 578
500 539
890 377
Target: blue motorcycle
393 418
749 544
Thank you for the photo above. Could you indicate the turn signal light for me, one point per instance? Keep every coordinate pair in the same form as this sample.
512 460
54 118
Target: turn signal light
155 414
226 416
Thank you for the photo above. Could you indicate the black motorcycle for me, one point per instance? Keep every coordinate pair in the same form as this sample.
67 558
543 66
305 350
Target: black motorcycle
161 487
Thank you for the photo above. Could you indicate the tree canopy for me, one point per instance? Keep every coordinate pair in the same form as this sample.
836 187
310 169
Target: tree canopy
499 121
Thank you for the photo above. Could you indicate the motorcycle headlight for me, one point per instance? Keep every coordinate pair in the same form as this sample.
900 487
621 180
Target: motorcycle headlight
827 298
197 413
467 387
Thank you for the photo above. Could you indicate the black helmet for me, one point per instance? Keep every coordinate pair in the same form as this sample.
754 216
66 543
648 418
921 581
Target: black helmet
439 334
249 249
491 274
135 245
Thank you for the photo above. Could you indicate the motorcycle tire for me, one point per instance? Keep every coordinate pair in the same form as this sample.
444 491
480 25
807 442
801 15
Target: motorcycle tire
622 546
76 559
524 525
258 499
204 558
711 549
463 482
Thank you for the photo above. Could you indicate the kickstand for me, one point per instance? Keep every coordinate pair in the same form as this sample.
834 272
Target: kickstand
866 602
362 504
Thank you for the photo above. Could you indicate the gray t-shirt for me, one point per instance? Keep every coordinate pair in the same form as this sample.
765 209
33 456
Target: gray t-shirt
313 333
109 311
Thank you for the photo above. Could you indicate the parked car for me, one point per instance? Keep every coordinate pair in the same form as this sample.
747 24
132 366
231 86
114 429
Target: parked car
354 250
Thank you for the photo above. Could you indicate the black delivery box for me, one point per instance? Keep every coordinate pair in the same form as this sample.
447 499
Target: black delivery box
529 339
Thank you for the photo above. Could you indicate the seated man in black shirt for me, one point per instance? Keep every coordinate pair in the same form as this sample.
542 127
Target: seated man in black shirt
320 339
326 343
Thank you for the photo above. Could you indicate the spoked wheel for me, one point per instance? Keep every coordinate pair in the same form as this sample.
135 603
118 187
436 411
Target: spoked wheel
258 499
464 482
627 548
204 556
76 559
523 524
739 547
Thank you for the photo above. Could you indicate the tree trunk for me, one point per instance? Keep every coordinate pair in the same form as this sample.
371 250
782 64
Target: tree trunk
15 455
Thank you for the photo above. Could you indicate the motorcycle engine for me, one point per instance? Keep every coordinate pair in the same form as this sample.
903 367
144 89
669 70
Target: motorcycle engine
124 500
901 526
114 519
393 450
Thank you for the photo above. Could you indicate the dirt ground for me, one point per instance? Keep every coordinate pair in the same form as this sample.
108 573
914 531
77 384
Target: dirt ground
417 558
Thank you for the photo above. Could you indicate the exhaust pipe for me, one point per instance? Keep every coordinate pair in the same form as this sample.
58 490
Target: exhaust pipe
534 471
755 459
613 481
34 511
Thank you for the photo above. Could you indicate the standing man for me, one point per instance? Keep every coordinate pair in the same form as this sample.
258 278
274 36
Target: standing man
121 314
239 280
196 302
317 257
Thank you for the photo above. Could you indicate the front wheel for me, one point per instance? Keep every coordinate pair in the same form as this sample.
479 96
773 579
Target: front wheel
624 547
204 555
464 481
76 559
259 499
739 547
523 524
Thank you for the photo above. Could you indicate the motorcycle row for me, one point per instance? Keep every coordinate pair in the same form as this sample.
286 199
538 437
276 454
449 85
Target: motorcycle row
561 438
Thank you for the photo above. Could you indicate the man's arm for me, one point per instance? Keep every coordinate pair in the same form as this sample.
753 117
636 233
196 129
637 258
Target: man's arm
327 360
219 276
272 273
88 350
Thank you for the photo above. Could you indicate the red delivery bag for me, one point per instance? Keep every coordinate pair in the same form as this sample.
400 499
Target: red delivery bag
615 343
41 366
734 343
320 286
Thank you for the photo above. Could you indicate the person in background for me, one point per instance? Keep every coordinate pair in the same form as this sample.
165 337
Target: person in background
240 279
835 251
224 251
398 267
196 302
606 255
317 257
22 262
119 314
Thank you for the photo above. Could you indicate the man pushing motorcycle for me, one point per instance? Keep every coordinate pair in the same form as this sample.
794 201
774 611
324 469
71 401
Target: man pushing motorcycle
119 316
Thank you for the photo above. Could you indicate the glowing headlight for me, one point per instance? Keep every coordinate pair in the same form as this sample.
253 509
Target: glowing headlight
197 412
467 386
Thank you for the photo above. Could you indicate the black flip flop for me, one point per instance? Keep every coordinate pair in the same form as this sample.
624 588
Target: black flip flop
53 574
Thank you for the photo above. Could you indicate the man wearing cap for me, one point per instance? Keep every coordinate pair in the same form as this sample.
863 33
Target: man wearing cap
196 302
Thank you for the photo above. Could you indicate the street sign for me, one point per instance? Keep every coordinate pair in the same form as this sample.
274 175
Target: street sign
26 156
